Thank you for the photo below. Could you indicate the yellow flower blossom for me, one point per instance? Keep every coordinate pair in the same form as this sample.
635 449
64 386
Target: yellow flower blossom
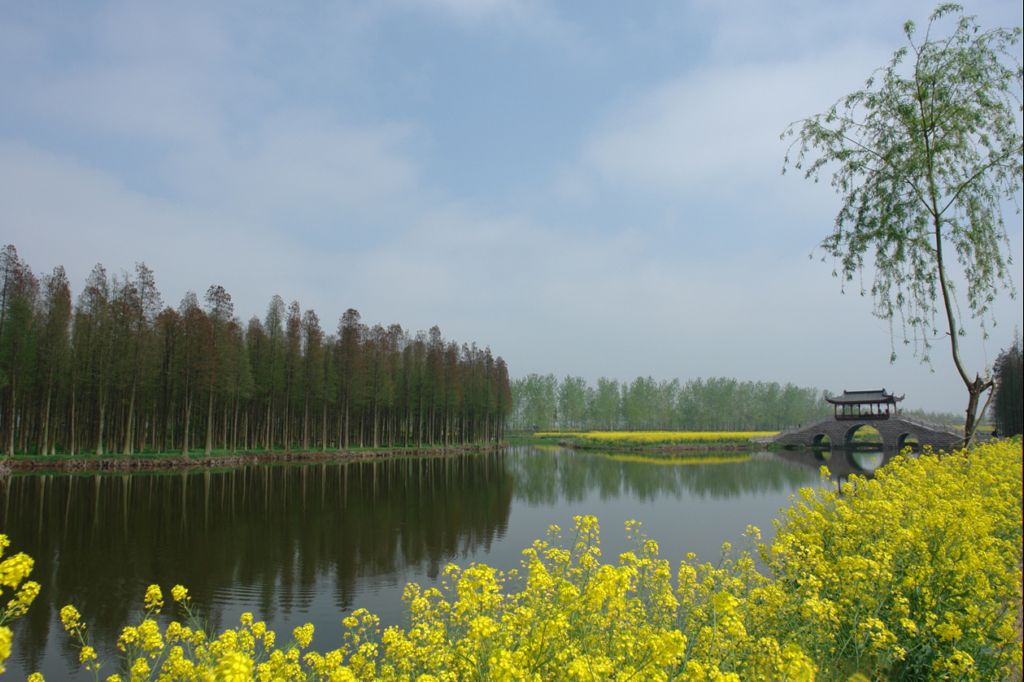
71 619
179 593
5 645
154 599
905 575
303 635
14 569
140 670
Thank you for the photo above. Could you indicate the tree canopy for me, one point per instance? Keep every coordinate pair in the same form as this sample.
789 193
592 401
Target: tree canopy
542 402
923 158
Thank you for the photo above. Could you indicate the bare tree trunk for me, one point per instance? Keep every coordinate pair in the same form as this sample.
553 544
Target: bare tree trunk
234 428
347 425
208 447
99 429
130 422
10 421
305 424
286 436
71 423
266 438
188 415
44 449
376 426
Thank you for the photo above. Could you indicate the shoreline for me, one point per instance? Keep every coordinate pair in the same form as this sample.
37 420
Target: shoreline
172 462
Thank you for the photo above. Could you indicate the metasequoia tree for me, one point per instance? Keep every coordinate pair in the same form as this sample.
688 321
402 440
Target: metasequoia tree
1009 395
18 290
115 373
923 158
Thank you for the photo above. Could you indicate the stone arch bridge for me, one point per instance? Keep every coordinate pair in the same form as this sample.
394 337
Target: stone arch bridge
896 431
877 408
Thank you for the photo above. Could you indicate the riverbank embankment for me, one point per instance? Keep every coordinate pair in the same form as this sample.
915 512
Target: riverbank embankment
177 461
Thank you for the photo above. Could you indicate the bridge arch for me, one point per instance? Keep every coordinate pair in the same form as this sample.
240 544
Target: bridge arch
865 461
893 432
908 439
863 433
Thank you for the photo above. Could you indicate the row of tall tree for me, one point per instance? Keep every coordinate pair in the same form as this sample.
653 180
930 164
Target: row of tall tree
1008 401
542 402
117 371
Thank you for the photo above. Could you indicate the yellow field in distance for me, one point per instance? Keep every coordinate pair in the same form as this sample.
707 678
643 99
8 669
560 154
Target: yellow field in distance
654 437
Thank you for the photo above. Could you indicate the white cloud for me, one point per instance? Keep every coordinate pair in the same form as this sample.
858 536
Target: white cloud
534 18
301 167
477 9
716 126
58 211
170 89
752 30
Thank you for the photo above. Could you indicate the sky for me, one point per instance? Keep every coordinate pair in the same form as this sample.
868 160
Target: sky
588 188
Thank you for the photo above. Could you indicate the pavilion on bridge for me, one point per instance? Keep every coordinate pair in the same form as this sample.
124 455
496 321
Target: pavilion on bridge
862 405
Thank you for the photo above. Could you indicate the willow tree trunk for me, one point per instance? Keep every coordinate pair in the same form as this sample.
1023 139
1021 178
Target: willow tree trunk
977 386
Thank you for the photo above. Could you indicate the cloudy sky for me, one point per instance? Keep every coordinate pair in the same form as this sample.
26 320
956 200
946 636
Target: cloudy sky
587 188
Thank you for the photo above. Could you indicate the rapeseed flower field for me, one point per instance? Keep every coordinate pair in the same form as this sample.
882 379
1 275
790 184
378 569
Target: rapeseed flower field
915 574
642 438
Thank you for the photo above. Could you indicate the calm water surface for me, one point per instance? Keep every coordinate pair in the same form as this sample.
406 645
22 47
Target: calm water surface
311 542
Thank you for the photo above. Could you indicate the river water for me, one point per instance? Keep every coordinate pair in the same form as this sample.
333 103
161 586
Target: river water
298 543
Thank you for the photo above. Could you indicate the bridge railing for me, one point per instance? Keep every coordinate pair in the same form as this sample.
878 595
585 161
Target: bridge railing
942 428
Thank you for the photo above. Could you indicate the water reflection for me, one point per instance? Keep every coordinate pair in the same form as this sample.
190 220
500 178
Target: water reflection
265 534
841 462
297 543
572 476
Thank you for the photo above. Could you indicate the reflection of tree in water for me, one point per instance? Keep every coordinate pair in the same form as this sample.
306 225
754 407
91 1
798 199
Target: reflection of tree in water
267 533
550 476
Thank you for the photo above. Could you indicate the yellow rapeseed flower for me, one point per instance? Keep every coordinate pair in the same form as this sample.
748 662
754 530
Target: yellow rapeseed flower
179 593
154 599
910 571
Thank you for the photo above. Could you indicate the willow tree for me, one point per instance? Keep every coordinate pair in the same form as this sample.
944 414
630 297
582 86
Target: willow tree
923 158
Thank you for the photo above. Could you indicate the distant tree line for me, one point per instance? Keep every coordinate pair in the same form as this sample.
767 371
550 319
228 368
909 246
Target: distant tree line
542 402
949 419
119 372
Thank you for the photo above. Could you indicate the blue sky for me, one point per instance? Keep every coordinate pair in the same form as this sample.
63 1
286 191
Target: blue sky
588 188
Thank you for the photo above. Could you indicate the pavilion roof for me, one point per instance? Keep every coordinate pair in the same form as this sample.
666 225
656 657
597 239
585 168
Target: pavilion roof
857 397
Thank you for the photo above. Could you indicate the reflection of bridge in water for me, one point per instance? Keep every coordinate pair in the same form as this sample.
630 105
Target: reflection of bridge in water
855 410
842 462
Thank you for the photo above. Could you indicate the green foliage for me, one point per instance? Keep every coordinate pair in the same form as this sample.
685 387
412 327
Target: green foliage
922 159
1009 398
535 402
119 373
542 403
